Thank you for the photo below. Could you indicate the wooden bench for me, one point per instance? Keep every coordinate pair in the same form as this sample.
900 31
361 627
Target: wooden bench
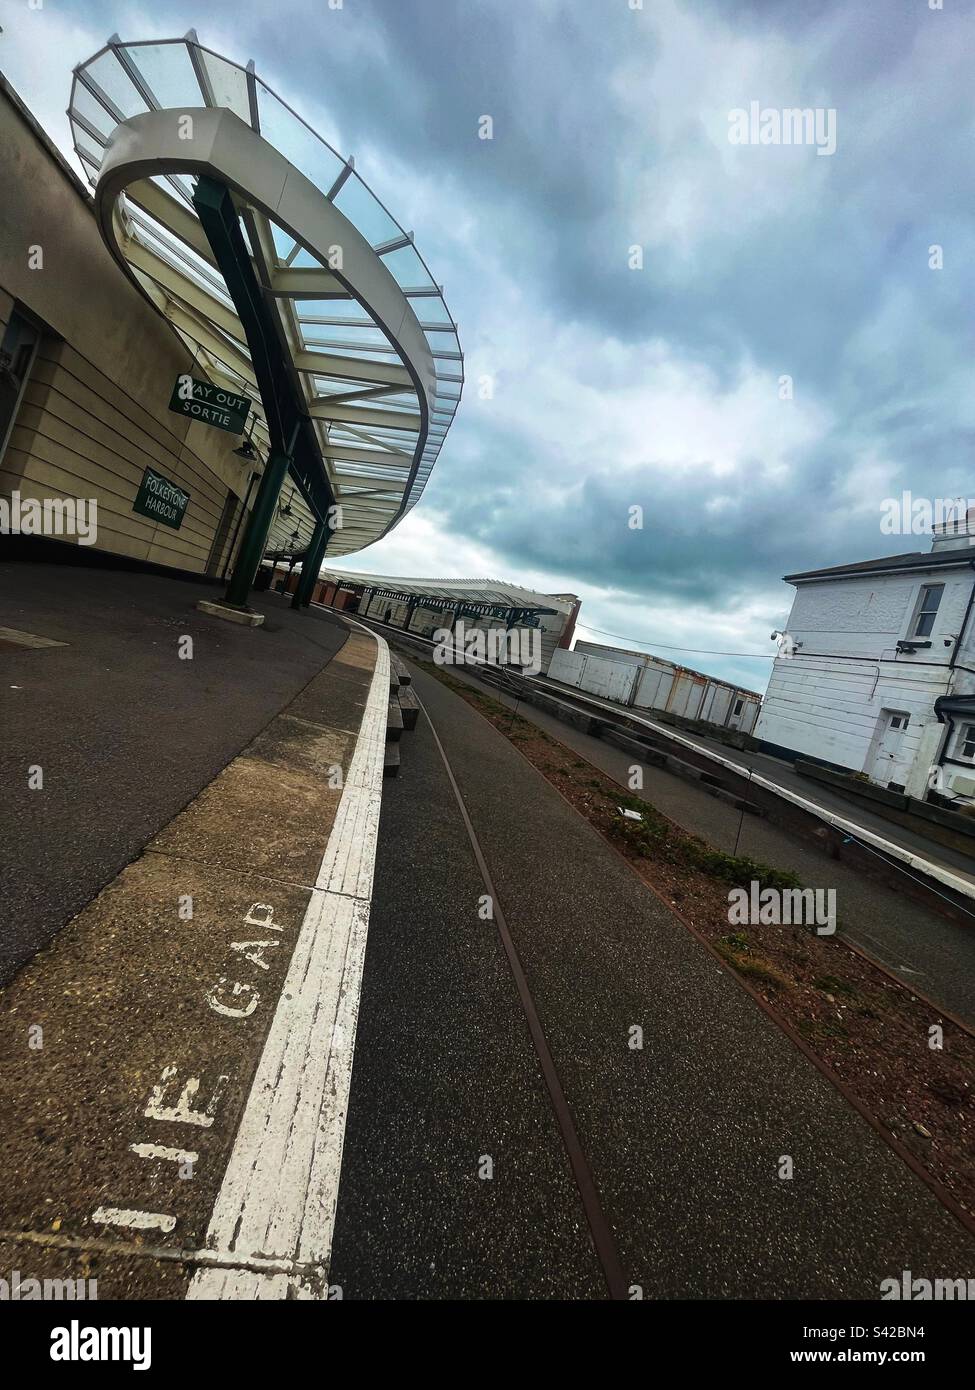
398 666
409 706
394 722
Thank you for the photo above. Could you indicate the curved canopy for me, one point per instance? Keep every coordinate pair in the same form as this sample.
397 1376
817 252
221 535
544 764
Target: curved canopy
479 593
363 331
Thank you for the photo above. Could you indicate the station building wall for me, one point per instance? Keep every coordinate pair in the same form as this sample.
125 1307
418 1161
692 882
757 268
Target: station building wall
93 414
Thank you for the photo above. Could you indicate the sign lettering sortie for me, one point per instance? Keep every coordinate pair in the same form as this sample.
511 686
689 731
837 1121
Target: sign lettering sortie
161 500
211 405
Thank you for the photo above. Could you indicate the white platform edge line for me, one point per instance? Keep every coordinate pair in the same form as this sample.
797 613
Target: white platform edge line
301 1062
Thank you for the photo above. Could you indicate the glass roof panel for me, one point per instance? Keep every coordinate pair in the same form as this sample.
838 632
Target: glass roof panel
93 111
432 310
315 333
283 243
348 349
111 77
364 210
229 83
168 72
406 267
442 342
332 309
299 145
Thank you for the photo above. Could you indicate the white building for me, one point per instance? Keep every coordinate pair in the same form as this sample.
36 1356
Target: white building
876 671
651 682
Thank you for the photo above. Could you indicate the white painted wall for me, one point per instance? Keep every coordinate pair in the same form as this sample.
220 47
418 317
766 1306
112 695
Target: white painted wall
567 666
610 680
829 699
696 697
687 697
716 704
654 687
611 653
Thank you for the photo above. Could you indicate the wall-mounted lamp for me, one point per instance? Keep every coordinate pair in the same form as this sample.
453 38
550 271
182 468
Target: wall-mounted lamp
245 449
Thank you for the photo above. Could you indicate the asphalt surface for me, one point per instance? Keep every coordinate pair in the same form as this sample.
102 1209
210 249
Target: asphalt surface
116 1131
923 948
684 1137
445 1073
125 731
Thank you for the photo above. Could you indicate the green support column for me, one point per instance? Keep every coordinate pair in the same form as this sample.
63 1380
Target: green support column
289 430
258 526
310 566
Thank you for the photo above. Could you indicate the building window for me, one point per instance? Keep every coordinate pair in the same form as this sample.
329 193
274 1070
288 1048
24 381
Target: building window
927 609
966 742
739 706
17 352
899 721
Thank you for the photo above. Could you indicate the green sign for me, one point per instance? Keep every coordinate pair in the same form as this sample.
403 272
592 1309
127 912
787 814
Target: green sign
161 500
212 405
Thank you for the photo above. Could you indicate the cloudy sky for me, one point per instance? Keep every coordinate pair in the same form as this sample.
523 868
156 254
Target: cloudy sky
614 385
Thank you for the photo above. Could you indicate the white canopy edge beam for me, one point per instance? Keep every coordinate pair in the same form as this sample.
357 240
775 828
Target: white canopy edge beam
376 393
354 493
296 282
347 454
352 432
353 369
396 243
323 409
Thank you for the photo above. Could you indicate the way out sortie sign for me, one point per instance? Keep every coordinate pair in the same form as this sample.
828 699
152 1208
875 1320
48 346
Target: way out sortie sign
211 405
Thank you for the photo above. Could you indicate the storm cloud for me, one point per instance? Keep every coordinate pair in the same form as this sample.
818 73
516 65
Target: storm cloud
633 290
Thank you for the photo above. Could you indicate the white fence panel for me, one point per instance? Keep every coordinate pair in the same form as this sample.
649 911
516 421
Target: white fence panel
610 680
653 688
566 666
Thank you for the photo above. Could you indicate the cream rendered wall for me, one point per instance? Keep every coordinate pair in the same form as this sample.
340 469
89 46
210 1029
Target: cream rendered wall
95 414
